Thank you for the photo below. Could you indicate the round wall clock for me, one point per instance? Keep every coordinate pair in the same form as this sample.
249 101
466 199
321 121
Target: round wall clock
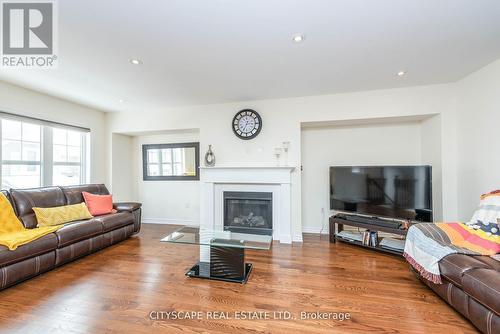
247 124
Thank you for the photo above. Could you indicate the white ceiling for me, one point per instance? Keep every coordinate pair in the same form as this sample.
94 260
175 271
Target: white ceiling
203 52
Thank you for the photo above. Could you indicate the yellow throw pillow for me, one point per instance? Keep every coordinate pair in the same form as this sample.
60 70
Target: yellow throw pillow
61 214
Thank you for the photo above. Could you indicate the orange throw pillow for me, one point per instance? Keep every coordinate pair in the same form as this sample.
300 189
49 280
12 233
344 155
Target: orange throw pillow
98 204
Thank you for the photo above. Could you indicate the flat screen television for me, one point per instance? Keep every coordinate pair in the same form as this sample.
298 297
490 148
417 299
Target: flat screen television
402 192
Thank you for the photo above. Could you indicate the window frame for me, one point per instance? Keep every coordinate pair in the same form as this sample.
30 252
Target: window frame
46 161
159 147
83 156
21 162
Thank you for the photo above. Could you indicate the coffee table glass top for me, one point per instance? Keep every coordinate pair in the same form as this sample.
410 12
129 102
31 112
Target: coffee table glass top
197 236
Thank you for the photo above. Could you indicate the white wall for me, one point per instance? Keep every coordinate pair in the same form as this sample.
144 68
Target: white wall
468 118
371 144
175 202
282 120
122 166
432 155
25 102
478 137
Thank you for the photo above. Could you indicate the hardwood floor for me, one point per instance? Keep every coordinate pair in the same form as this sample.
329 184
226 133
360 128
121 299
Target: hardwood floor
116 289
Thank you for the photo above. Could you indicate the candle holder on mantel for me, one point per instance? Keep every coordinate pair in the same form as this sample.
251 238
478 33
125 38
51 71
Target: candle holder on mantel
286 146
277 153
209 157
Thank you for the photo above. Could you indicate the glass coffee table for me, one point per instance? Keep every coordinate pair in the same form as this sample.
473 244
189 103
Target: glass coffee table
222 253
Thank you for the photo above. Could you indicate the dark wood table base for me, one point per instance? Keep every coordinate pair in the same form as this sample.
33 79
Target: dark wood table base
226 264
195 272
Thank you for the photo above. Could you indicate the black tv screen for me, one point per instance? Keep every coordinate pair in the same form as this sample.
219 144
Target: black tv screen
403 192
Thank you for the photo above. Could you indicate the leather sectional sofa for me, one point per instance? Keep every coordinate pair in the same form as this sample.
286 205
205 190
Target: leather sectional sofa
74 240
471 284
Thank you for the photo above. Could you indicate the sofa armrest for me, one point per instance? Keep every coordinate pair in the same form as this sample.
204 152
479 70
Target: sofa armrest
134 208
126 206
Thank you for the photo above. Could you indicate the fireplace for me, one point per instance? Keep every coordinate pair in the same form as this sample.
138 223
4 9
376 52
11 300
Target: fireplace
248 212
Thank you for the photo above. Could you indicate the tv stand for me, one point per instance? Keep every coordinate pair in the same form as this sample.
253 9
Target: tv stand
373 224
371 220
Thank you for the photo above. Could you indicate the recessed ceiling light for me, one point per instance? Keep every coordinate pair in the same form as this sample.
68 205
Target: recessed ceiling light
135 61
401 73
297 38
121 100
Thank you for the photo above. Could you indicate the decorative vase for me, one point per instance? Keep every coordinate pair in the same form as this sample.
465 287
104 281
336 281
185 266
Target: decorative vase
209 157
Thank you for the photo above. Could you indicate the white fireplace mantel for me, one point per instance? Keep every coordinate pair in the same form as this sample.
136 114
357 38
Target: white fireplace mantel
275 179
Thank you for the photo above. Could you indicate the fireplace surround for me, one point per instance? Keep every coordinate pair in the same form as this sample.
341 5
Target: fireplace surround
215 181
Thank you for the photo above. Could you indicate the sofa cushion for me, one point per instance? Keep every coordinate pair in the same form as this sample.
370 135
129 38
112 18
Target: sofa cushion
74 193
113 221
484 286
77 231
485 217
25 199
34 248
98 204
454 266
61 214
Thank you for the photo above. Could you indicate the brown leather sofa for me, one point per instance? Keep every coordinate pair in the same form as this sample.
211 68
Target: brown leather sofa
70 242
471 284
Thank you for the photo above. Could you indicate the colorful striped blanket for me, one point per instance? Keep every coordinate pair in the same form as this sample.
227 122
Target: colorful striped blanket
427 243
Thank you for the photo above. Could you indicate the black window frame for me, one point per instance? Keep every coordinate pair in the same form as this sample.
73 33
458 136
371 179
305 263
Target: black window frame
146 147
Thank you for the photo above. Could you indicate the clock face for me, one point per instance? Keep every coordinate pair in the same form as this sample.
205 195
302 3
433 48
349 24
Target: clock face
247 124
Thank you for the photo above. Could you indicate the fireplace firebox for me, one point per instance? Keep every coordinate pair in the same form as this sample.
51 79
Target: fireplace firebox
248 212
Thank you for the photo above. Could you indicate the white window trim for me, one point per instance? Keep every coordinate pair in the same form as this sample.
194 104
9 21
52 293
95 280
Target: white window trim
47 156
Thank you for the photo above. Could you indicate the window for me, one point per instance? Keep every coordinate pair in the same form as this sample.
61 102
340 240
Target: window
35 153
21 158
171 161
67 157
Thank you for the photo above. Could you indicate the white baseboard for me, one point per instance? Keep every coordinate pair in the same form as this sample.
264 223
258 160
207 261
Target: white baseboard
315 230
297 238
284 239
164 221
